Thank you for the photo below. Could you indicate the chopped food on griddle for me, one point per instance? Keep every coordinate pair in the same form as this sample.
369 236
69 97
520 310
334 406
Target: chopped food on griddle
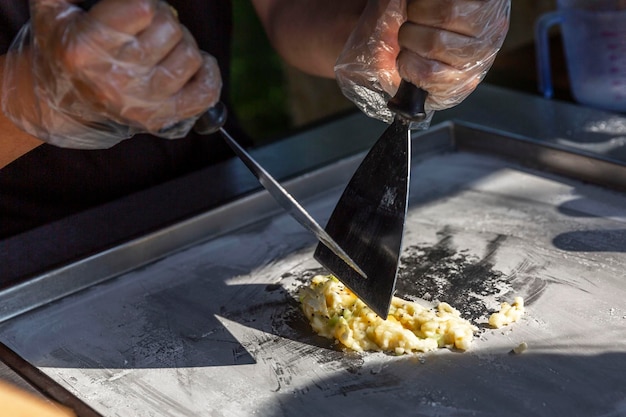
336 312
508 313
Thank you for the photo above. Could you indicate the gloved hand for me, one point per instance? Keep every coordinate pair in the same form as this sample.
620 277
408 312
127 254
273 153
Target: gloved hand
443 46
92 79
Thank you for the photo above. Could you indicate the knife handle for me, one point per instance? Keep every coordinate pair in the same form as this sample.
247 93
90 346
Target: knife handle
408 102
212 120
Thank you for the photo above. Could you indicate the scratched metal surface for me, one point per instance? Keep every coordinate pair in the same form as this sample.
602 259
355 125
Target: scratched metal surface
215 330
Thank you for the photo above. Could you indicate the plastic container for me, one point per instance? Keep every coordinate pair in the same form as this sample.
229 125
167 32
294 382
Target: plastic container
594 37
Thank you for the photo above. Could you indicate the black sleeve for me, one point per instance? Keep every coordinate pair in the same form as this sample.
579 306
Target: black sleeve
13 15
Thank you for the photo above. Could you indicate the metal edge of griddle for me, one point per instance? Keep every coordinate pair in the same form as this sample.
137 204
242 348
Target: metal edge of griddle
100 267
566 161
111 263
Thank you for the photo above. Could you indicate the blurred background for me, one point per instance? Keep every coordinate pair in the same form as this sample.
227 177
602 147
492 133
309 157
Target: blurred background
279 99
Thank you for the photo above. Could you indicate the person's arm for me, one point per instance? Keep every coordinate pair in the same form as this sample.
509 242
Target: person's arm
309 35
13 141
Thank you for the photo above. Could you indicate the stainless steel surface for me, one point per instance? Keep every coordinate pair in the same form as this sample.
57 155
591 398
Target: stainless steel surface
368 220
496 198
291 205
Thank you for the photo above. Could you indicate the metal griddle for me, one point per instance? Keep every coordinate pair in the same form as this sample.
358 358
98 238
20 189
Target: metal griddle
214 327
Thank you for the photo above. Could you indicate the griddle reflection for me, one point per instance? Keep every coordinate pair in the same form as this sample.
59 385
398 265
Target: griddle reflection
593 240
612 240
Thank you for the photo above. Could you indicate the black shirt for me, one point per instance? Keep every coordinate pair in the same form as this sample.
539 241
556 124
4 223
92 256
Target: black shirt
49 183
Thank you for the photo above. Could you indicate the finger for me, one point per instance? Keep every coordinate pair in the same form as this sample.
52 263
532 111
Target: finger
425 72
110 25
156 41
47 15
198 95
446 85
202 91
450 48
460 16
178 67
37 6
126 16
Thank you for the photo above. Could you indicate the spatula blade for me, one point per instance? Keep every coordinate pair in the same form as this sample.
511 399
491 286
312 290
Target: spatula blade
368 221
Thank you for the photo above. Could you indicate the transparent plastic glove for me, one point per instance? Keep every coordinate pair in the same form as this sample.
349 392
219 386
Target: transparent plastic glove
443 46
92 79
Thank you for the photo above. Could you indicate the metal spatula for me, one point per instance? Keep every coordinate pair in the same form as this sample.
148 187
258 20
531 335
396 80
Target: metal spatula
368 221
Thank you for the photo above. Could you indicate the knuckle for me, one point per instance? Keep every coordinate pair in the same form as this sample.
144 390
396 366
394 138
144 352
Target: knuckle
144 9
169 25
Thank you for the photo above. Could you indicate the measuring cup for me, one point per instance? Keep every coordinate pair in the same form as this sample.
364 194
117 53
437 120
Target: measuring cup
594 38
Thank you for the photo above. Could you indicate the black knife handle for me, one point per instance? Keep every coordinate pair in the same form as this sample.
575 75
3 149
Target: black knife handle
408 102
212 120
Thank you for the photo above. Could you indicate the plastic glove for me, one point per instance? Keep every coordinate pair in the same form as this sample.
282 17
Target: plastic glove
92 79
443 46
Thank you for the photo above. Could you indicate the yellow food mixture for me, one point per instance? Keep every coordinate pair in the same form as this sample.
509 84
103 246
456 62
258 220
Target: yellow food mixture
335 312
509 313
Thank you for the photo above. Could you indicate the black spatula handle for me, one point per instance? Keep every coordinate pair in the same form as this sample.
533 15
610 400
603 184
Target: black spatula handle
408 102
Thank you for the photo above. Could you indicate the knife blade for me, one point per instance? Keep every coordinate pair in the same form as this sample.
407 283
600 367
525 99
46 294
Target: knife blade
213 121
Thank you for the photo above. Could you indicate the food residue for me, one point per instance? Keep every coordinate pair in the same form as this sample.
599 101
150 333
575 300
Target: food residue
519 349
335 312
508 313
